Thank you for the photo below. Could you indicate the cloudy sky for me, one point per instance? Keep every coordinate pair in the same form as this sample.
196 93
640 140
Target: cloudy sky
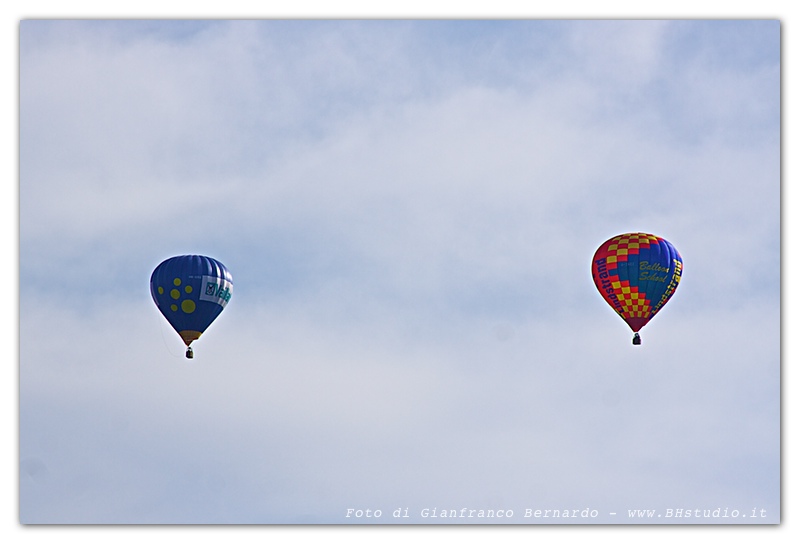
409 210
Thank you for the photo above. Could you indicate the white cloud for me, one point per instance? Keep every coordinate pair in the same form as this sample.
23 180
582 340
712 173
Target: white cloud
413 319
619 54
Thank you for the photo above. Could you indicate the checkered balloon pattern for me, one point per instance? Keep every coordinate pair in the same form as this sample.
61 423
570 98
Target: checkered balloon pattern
637 273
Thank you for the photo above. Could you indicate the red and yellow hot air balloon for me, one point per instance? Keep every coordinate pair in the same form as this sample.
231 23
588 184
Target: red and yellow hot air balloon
637 273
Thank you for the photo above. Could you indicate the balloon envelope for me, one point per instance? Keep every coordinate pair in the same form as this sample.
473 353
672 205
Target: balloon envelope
191 291
637 273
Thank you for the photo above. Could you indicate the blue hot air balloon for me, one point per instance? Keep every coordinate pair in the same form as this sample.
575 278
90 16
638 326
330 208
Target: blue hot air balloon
191 291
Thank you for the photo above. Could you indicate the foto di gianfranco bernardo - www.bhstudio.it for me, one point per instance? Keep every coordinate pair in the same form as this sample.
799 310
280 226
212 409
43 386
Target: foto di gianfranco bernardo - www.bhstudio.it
719 514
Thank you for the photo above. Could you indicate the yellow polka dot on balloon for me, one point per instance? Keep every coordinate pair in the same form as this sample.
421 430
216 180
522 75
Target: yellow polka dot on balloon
173 307
187 306
188 288
175 294
176 281
160 290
